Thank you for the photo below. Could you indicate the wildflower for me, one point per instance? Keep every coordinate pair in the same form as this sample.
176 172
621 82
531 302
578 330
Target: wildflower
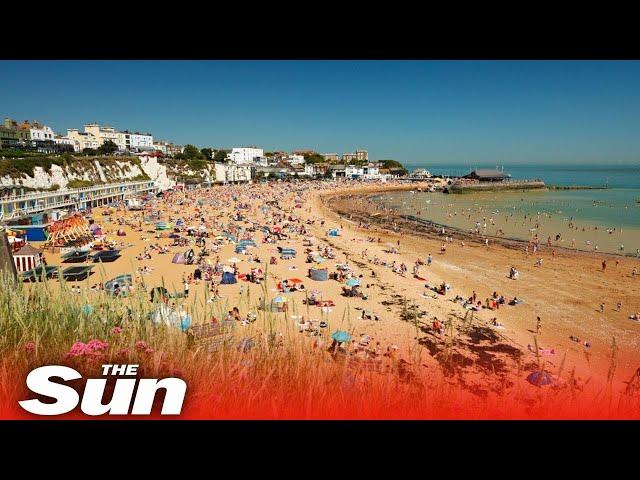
30 346
141 345
116 330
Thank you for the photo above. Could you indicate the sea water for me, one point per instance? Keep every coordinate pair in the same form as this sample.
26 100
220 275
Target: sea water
607 220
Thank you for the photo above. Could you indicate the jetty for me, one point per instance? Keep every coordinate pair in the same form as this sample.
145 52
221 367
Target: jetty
489 180
14 207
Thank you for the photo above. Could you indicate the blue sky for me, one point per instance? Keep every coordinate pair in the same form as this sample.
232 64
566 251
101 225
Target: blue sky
419 112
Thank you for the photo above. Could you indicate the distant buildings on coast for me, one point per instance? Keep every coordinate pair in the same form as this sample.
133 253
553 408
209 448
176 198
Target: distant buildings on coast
41 138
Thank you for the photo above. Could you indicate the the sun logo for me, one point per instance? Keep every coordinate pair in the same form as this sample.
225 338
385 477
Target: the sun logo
66 398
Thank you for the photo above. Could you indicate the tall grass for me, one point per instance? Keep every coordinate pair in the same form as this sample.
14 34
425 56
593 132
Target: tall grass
284 375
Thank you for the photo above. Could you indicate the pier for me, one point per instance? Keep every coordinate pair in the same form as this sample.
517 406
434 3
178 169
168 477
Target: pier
14 207
478 186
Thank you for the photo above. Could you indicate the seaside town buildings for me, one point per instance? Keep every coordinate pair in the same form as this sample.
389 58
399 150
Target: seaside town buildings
135 141
242 164
359 156
245 155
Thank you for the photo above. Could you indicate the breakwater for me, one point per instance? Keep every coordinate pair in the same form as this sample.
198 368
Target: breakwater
463 187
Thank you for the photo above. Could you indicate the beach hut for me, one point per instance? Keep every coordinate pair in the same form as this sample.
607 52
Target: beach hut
27 258
319 274
228 278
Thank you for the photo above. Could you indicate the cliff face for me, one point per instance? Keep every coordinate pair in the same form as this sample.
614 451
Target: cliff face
71 173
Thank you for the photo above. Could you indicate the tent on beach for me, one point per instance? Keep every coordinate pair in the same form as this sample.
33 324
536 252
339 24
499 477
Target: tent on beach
178 258
228 278
334 232
319 274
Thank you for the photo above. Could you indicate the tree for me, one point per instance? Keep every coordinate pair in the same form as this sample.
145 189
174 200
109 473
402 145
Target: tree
191 152
107 148
207 152
313 158
220 155
89 151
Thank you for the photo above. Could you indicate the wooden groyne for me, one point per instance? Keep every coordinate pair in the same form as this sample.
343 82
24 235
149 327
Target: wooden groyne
465 187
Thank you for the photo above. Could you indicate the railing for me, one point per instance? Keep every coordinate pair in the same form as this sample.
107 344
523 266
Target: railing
50 200
71 191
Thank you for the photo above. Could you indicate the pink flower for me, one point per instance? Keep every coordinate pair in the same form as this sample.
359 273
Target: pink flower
141 345
116 330
93 348
30 346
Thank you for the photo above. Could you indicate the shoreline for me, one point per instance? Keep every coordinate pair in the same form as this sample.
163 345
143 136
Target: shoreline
565 292
429 229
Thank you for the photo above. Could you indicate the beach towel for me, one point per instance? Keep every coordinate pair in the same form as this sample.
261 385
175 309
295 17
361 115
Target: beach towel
544 351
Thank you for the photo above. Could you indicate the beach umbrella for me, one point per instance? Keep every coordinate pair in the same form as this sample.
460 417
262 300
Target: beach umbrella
341 336
234 260
540 378
353 282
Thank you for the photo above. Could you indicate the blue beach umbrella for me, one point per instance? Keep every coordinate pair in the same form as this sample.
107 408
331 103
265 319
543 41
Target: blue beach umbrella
540 378
341 336
353 282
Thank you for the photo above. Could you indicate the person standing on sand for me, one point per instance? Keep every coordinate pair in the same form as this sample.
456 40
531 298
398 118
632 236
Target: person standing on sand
602 307
429 260
604 265
186 289
538 326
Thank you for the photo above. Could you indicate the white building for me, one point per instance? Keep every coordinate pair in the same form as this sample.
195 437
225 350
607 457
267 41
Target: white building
106 133
41 132
232 172
421 173
371 172
65 141
245 155
294 159
138 141
82 140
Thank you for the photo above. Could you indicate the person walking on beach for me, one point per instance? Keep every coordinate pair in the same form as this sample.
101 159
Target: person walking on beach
186 289
429 260
602 307
538 326
604 265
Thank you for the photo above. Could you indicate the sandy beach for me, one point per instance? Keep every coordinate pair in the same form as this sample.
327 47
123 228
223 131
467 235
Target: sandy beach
565 291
